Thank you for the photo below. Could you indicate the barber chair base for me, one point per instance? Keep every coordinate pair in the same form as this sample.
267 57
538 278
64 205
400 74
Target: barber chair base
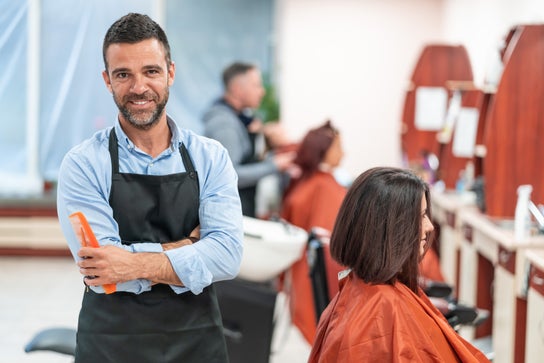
247 309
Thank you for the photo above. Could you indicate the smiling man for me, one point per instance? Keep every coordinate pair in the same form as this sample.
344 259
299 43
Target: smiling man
164 205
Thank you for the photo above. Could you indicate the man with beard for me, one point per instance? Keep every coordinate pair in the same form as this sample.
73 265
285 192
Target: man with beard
164 206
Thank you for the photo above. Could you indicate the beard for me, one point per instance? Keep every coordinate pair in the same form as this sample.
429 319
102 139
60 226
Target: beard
142 119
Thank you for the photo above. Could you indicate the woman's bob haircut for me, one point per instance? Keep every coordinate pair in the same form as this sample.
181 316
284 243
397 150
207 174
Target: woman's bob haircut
378 229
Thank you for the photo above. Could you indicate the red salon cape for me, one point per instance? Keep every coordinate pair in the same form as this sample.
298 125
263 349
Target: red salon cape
384 323
314 202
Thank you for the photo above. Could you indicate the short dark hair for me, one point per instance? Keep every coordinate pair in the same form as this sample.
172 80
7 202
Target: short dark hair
133 28
235 69
378 228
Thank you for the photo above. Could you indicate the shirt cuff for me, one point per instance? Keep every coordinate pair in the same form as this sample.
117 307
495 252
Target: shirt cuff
146 247
190 269
134 286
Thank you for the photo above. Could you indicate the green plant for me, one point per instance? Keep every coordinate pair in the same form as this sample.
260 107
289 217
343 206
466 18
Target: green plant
270 107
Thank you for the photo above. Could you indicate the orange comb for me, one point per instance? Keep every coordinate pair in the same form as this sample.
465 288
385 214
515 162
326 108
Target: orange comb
86 237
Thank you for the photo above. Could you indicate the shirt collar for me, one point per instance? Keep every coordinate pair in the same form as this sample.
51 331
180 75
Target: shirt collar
176 134
175 142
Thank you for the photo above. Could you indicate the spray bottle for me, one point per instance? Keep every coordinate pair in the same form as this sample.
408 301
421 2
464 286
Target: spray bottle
522 219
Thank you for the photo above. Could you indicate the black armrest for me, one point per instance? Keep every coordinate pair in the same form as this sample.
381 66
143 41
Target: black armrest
60 340
437 289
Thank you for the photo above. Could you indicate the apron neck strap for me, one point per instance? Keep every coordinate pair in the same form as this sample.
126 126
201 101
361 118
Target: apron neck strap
114 153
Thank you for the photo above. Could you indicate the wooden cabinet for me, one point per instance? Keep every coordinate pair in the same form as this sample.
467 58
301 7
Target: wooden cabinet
534 339
444 208
493 273
514 123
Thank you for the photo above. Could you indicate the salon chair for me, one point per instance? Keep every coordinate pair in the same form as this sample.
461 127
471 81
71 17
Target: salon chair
317 268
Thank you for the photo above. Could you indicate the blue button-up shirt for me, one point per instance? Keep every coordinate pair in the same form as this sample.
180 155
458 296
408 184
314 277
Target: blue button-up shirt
84 185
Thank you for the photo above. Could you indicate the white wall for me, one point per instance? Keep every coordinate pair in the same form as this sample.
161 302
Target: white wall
350 60
481 26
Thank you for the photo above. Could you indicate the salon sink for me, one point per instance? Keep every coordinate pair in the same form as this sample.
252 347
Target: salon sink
270 247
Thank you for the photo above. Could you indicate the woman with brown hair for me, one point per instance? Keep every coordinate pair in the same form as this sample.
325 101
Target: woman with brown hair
380 313
313 200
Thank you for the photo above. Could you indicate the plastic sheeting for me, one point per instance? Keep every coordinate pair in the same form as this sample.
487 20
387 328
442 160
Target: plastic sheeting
13 54
204 36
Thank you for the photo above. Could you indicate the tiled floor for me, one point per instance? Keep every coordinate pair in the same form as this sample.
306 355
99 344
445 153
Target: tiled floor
44 292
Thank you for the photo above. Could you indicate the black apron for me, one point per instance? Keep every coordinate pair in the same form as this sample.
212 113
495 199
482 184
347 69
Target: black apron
249 193
159 325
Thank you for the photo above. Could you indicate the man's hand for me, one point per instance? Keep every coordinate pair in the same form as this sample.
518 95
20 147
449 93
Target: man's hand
112 265
107 265
255 126
284 161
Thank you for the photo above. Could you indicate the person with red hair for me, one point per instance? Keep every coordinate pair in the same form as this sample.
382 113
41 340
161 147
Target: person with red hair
313 200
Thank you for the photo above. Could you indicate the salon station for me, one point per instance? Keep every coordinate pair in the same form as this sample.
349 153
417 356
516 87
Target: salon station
481 149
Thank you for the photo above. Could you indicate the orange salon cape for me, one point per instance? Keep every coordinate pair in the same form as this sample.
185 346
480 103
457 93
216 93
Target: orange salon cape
313 202
386 323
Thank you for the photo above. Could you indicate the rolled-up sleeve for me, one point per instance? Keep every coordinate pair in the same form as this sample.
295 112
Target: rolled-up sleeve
217 255
83 186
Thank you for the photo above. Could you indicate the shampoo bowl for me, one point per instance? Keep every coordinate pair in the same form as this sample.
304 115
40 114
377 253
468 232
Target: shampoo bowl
270 247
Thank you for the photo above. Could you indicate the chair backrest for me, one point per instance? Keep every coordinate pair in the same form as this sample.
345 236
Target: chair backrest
318 272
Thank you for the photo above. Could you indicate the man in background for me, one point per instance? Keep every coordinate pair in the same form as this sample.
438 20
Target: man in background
230 120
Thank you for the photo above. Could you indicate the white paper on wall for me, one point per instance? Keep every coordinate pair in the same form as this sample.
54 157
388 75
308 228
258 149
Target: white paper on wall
464 137
430 109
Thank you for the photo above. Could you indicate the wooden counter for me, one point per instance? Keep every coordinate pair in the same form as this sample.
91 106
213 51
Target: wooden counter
444 208
490 269
534 337
491 257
